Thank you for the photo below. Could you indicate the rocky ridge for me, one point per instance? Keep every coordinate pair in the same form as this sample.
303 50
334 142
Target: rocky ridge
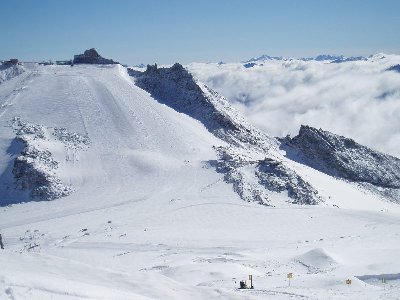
250 161
394 68
344 158
35 169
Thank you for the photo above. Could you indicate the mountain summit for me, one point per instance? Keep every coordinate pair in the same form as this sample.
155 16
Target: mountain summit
91 56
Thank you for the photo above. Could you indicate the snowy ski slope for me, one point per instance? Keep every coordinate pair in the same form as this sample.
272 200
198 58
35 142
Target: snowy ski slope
149 218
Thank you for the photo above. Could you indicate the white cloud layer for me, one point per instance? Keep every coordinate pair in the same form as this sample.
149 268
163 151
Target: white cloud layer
358 99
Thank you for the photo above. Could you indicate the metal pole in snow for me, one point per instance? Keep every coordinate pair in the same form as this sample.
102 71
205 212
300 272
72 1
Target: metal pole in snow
1 242
289 276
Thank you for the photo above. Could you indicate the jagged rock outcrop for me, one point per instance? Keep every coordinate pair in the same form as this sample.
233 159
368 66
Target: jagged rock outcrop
10 63
252 178
177 88
277 177
10 69
31 170
91 56
233 162
394 68
35 169
343 59
343 157
249 65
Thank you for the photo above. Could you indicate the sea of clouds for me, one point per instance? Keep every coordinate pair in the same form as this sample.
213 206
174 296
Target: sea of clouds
360 99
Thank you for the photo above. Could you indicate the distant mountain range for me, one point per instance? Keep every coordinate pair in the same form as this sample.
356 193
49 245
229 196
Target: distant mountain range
321 57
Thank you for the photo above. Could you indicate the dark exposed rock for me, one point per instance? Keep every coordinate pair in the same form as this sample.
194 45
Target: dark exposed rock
177 88
35 169
276 177
70 138
10 63
249 65
30 175
10 69
266 174
394 68
24 128
91 56
347 59
231 162
43 156
343 157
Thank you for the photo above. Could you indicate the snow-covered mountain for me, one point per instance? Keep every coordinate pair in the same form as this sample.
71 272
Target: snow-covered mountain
320 57
263 57
154 183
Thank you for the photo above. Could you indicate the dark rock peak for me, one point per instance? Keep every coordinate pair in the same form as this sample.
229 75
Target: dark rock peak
177 88
343 157
9 63
327 139
249 65
395 68
177 69
275 176
91 56
92 53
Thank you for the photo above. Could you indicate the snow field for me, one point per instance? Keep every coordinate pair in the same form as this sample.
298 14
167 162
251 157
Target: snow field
151 219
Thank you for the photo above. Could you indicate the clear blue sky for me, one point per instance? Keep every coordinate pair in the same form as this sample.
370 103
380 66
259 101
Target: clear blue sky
166 31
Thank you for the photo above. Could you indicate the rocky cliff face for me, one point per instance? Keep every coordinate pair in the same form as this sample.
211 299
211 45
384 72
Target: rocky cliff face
91 56
342 157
